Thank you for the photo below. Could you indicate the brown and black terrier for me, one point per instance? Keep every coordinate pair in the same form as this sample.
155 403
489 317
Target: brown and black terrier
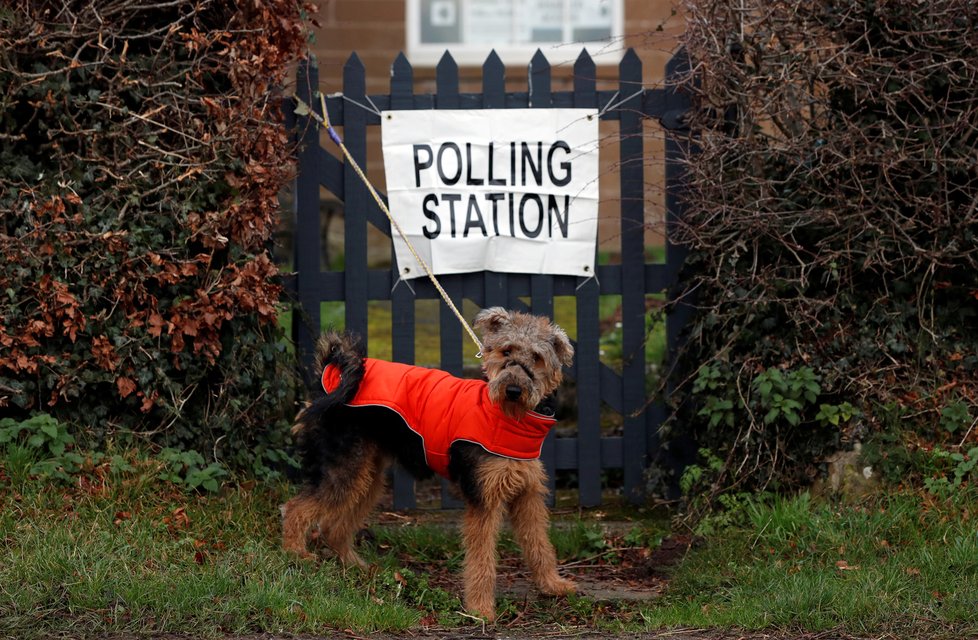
485 436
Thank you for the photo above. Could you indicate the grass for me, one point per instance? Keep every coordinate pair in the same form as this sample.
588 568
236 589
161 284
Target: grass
127 556
896 563
116 550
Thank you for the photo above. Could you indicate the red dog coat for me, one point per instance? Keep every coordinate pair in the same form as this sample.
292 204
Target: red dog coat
443 409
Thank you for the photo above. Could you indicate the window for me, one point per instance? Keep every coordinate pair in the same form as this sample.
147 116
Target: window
470 29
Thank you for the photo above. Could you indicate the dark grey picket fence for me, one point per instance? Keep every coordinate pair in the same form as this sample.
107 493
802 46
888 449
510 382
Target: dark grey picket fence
588 453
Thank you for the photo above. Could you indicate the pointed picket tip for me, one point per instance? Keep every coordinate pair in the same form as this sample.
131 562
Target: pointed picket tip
539 61
630 60
308 69
493 62
584 62
447 63
679 62
401 61
309 61
354 62
401 66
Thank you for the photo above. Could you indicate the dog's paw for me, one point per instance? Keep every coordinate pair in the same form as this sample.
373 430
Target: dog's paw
352 560
487 617
296 547
484 610
558 586
303 555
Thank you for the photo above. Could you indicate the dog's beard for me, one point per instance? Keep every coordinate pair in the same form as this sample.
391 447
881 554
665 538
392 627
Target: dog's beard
502 391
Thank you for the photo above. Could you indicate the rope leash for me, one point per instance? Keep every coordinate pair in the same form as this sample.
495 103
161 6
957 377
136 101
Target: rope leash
304 109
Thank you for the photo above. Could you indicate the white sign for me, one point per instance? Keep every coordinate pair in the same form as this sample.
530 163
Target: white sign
506 190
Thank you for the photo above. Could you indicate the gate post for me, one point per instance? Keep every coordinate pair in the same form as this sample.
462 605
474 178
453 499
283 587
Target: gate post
677 103
306 246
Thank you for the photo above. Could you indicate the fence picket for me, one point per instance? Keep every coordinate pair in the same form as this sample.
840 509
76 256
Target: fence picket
357 199
681 452
540 96
446 85
402 300
632 179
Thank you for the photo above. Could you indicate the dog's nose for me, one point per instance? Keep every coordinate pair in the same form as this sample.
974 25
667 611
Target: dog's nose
513 392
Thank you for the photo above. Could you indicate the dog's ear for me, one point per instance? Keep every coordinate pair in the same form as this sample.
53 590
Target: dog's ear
491 320
562 346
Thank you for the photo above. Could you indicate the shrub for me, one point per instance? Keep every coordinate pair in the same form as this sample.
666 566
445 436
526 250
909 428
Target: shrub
142 156
832 227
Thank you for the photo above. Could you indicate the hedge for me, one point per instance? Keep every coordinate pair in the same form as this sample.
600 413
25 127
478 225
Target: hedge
142 156
833 213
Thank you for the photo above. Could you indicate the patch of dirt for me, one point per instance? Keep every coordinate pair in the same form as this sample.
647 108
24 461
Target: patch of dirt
618 573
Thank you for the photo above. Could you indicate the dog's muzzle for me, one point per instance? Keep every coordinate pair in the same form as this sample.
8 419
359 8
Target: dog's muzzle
513 392
526 369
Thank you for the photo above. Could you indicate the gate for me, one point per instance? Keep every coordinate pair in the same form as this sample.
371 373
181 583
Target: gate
589 453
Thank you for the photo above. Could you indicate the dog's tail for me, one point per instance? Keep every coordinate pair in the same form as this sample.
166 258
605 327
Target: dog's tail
345 352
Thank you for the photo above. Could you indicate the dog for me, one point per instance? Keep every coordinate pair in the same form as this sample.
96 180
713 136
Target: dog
483 435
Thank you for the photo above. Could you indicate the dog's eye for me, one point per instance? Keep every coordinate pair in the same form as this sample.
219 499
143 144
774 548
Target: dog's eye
506 353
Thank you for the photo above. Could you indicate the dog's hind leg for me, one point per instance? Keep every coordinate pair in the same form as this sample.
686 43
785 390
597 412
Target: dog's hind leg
346 485
531 522
360 493
298 516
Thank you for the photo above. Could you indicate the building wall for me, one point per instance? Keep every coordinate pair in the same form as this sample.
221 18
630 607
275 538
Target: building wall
376 31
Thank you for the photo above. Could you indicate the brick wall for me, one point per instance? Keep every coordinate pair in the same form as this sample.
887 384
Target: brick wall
376 30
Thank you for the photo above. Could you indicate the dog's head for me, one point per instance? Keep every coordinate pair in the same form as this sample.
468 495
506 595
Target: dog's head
522 357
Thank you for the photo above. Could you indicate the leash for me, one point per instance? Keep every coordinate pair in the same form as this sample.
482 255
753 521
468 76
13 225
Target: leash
304 109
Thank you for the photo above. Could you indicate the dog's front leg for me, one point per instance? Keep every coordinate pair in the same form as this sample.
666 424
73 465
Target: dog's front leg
531 523
480 532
